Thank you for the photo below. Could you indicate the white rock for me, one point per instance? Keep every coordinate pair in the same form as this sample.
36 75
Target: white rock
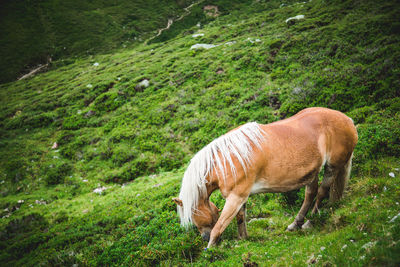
391 174
368 245
96 64
144 84
40 202
202 46
230 43
99 190
394 218
298 17
197 35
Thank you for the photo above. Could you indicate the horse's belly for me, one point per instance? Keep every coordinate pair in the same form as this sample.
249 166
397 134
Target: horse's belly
262 186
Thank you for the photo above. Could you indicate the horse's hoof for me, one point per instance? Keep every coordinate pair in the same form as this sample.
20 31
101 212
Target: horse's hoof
307 225
292 227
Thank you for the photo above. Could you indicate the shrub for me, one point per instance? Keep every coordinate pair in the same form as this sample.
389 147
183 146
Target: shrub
74 122
155 236
108 101
55 172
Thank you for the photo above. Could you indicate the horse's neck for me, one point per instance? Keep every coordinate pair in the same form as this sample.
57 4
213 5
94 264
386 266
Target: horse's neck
211 185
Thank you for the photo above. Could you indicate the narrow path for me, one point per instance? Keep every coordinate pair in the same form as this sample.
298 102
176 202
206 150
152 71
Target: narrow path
33 72
171 21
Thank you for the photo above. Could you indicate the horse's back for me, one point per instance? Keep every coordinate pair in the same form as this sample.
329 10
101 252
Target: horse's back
334 131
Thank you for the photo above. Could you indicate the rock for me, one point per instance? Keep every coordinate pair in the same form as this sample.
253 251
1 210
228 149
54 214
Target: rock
368 245
202 46
394 218
143 84
40 202
99 190
253 41
197 35
90 113
293 19
230 43
211 11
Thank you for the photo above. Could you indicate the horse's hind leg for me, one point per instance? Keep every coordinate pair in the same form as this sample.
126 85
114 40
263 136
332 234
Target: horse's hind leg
241 222
311 191
323 190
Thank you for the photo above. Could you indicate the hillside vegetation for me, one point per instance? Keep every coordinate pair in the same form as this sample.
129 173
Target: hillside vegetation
32 32
111 132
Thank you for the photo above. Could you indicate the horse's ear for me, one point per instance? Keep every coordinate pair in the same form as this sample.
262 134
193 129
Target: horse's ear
177 201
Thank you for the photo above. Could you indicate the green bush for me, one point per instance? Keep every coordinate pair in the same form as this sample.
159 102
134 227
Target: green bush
154 237
56 171
74 122
108 101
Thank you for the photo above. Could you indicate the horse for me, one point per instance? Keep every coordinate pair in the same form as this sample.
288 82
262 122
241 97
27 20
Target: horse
276 157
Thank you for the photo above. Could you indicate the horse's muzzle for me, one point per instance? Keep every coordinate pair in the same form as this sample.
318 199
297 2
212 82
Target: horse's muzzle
206 236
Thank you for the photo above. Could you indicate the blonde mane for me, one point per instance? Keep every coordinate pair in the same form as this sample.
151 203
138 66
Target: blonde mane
216 155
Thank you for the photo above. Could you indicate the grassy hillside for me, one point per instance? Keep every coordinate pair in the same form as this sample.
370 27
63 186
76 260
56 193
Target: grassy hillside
33 31
136 140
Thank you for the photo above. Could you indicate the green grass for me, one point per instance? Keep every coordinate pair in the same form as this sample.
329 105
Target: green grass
137 141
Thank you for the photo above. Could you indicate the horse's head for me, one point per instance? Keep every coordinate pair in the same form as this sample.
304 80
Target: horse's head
204 217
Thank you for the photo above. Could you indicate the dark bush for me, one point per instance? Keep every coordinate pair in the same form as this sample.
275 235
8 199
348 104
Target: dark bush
55 172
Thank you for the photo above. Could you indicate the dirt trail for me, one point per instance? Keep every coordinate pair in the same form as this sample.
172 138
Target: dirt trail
171 21
33 72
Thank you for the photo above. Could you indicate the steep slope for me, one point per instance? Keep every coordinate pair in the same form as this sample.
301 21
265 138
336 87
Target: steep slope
110 129
33 32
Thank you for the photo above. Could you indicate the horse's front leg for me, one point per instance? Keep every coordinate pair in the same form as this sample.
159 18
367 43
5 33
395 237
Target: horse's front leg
311 191
241 222
232 206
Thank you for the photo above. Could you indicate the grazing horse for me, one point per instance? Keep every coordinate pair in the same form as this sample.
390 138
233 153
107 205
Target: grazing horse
276 157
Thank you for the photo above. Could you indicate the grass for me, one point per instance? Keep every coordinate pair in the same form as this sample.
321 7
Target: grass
137 141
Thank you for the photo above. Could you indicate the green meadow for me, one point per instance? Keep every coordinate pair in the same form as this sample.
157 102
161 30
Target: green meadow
91 155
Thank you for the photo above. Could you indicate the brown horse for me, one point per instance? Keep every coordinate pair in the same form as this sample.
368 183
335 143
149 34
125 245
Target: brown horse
276 157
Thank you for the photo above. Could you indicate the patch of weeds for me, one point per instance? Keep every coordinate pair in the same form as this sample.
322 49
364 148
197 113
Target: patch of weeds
56 171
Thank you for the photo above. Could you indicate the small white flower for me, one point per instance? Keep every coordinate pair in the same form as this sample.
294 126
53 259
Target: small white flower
96 64
89 85
21 201
322 248
344 247
391 174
